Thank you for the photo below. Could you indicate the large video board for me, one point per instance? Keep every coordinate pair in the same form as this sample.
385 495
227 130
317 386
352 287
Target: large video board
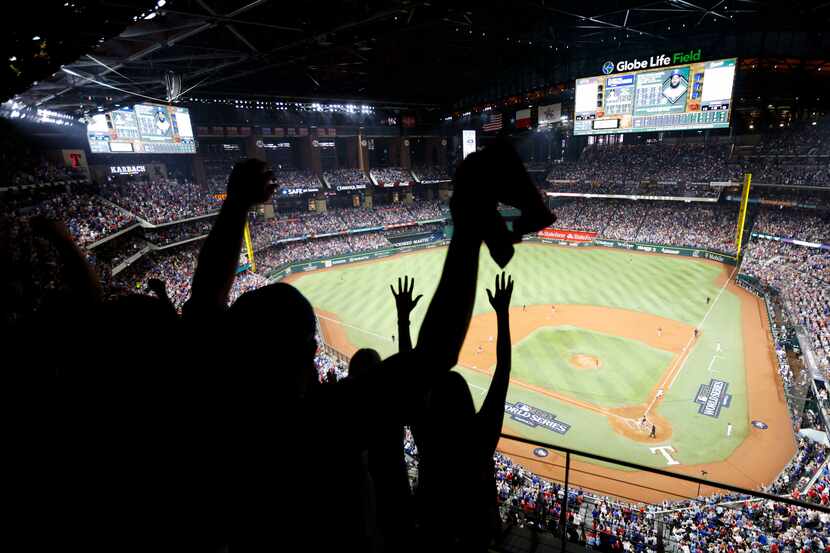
142 129
695 95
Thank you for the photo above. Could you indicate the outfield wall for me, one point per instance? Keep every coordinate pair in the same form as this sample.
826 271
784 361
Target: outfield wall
434 241
644 247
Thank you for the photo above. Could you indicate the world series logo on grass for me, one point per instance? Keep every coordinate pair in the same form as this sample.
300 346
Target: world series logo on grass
533 417
712 397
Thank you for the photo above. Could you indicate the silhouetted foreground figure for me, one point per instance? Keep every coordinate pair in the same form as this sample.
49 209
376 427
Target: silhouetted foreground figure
281 419
218 434
456 483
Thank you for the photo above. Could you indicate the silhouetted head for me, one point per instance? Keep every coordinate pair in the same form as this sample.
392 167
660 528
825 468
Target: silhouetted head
280 318
363 362
450 402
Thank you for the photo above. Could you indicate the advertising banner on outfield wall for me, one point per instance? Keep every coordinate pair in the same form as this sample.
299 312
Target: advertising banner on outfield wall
565 234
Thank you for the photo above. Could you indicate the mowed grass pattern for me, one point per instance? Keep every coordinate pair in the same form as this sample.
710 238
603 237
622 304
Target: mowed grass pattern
671 287
629 368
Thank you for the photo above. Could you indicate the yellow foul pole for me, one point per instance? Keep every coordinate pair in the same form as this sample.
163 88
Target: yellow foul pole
742 213
249 247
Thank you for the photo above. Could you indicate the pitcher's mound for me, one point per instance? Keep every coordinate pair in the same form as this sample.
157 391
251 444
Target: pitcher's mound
581 361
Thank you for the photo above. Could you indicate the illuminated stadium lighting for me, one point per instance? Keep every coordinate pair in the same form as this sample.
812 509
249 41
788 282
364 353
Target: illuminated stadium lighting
161 3
151 15
36 37
14 58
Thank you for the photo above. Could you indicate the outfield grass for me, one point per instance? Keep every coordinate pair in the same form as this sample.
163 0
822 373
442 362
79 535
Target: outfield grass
671 287
629 368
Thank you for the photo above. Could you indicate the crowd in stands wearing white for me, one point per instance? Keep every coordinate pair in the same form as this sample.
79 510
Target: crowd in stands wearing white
288 179
390 175
160 201
291 225
346 177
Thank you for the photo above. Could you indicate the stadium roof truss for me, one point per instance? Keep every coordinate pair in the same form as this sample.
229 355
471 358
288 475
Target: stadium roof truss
412 53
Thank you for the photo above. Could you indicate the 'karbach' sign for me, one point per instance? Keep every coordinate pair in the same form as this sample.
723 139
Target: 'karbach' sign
654 61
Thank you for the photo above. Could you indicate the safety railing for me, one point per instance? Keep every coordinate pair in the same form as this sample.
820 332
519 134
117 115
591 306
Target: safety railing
646 505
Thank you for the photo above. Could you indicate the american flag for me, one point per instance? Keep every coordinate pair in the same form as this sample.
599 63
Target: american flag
492 122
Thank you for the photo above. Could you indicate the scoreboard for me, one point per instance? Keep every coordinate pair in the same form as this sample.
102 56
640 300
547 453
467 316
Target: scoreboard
142 129
694 95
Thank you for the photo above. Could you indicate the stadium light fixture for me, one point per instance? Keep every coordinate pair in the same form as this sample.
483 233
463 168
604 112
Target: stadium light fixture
161 3
36 37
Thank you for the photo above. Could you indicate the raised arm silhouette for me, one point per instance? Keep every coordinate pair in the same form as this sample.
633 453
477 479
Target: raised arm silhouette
456 447
404 304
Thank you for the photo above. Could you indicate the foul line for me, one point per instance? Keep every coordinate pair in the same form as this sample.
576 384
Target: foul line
555 395
685 353
335 321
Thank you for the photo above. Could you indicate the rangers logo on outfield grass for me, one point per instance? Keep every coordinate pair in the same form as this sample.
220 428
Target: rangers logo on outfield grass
533 417
712 397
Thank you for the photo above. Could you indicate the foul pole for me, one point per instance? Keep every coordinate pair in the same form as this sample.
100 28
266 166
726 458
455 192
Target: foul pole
249 247
742 213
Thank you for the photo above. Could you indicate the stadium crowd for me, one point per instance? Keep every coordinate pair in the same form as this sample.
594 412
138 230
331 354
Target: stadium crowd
802 276
87 217
390 176
645 169
47 173
809 457
175 269
265 232
109 255
290 178
346 177
707 523
306 250
198 290
163 236
425 173
805 139
706 226
806 173
159 201
801 224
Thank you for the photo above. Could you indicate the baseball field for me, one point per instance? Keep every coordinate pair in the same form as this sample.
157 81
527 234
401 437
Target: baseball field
604 352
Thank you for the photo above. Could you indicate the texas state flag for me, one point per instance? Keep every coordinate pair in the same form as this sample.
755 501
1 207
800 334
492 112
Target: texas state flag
523 119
